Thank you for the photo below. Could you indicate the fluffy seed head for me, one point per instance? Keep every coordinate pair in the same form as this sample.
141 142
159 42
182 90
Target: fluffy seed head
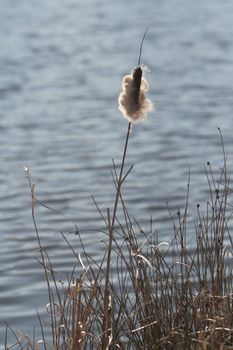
133 103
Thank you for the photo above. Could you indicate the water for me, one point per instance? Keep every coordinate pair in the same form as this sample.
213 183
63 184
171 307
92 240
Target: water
61 65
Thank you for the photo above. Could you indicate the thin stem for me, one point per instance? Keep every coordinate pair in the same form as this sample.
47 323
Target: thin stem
111 223
119 182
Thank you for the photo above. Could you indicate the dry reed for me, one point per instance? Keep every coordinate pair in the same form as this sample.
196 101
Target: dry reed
162 295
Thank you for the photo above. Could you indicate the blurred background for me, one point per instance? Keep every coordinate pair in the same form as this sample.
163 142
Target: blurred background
61 67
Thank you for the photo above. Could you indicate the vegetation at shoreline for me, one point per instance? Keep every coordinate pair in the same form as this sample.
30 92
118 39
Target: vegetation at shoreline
145 293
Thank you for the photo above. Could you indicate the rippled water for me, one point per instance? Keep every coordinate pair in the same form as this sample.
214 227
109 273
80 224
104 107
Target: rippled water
61 65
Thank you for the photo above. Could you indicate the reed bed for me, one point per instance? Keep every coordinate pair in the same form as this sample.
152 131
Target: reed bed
145 293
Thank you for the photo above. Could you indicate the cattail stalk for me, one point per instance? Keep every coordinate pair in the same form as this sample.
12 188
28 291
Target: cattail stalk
111 221
134 106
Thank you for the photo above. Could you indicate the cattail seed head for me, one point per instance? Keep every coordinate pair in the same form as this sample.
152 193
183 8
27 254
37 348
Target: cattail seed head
133 103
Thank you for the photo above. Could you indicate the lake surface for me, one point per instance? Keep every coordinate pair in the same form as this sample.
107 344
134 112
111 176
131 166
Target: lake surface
61 67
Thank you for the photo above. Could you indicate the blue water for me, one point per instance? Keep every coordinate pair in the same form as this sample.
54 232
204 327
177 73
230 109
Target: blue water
61 66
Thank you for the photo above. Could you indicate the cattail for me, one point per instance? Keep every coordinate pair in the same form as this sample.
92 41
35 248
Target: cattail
133 103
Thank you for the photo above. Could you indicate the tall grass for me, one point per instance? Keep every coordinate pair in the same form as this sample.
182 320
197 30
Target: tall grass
145 293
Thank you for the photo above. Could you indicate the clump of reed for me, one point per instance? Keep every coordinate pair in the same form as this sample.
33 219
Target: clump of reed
145 293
